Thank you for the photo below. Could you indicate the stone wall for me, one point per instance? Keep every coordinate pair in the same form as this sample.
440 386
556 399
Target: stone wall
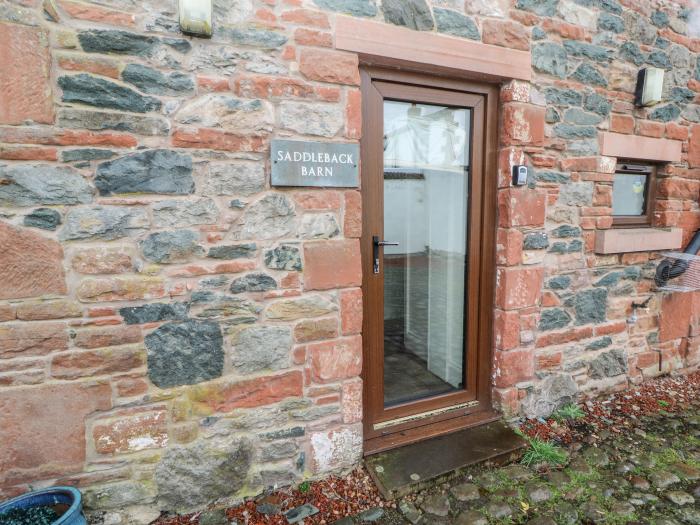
173 330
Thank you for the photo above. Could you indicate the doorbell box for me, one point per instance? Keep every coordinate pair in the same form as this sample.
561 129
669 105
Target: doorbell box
519 175
195 17
650 84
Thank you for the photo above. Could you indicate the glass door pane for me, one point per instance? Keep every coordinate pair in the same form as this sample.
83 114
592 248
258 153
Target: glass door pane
426 182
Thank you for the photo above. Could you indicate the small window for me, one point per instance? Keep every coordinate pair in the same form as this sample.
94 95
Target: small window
633 194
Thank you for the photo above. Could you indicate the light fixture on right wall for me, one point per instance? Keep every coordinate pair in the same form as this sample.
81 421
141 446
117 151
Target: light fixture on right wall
650 84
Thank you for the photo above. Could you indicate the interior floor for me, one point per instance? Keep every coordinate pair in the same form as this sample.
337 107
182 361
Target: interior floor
406 375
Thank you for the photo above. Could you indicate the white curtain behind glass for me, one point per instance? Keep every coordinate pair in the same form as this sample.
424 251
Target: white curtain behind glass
427 214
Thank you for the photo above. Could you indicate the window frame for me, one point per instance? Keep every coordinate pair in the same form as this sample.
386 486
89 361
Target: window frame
645 220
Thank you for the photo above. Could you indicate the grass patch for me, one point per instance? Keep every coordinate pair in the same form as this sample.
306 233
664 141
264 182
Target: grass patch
543 452
570 411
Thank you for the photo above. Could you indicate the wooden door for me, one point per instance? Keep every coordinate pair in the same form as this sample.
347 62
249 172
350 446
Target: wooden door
429 200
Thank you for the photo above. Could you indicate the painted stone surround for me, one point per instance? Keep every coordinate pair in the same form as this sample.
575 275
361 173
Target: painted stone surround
174 331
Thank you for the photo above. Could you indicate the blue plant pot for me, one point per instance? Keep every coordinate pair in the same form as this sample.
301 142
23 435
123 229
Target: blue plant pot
49 497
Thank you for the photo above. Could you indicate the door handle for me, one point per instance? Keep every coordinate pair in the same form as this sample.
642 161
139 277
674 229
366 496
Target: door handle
376 243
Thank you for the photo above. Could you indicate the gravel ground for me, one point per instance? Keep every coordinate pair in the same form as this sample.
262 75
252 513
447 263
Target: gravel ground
633 457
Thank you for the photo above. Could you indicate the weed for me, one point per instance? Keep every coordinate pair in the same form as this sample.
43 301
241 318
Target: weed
570 411
663 403
304 487
543 452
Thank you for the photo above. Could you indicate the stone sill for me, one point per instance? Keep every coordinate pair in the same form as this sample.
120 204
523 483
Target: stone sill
625 240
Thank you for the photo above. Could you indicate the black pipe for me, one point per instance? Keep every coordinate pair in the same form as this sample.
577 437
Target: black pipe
672 268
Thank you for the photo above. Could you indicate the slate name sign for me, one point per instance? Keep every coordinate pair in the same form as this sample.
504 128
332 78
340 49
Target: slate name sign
324 164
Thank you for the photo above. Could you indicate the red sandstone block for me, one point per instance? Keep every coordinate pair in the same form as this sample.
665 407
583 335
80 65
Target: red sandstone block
513 366
195 270
306 17
99 66
330 66
334 360
327 93
507 158
671 357
45 310
647 359
676 314
649 128
315 329
51 137
299 355
566 336
311 37
506 399
25 339
267 17
31 265
96 290
351 401
57 422
634 258
351 311
225 397
25 81
506 326
95 13
550 298
352 215
141 431
692 352
595 211
602 195
565 29
529 19
353 114
211 83
332 264
541 160
318 200
548 360
74 365
289 52
518 287
676 131
622 124
694 146
7 313
102 260
521 207
130 386
505 33
671 35
28 153
612 328
328 400
678 189
579 164
522 124
509 247
515 91
218 140
107 336
261 86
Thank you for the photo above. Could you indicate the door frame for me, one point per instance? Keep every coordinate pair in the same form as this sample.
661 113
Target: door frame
384 429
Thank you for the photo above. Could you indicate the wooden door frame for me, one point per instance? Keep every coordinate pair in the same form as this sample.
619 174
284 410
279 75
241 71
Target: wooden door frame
456 410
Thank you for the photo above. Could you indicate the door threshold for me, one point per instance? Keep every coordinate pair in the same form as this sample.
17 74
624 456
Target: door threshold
410 468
